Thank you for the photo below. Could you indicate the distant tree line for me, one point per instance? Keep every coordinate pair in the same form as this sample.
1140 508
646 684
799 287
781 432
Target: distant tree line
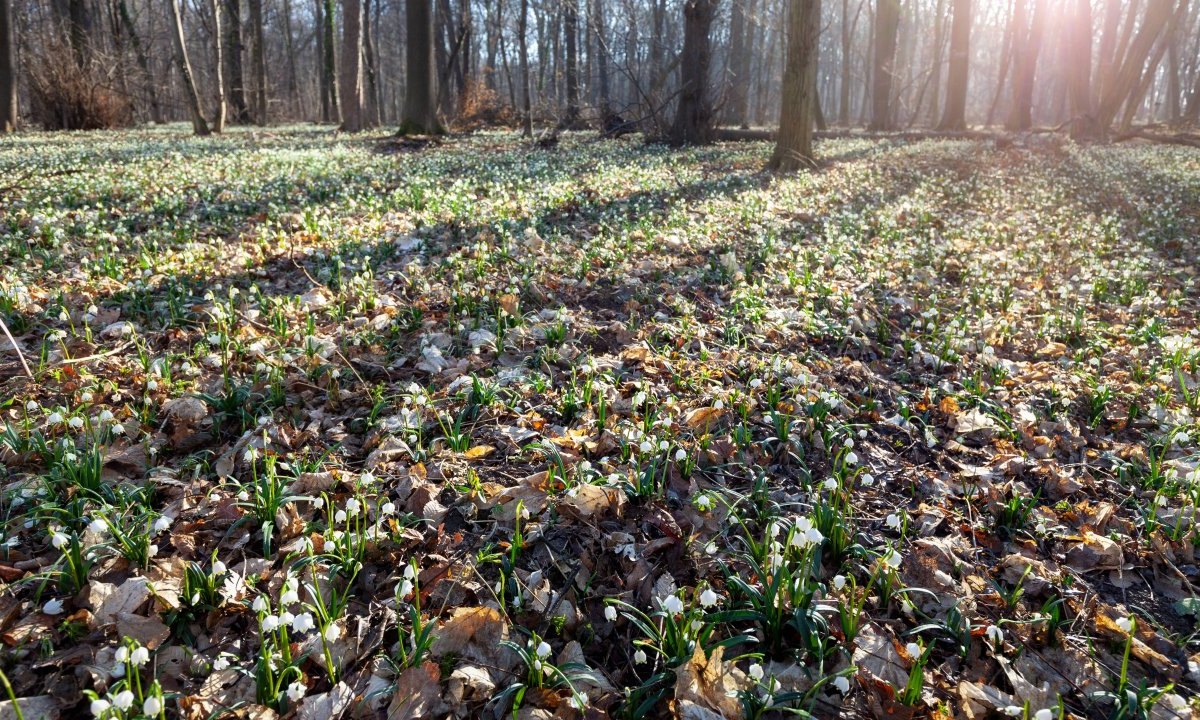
675 69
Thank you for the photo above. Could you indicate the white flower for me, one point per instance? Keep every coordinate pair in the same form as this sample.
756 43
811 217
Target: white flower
139 657
708 598
672 604
639 656
100 706
122 654
610 613
53 607
76 422
387 508
893 521
867 480
59 540
1044 714
296 691
646 446
218 567
851 458
891 558
842 683
124 700
270 623
577 701
55 418
405 589
755 383
710 548
756 672
813 536
220 663
703 503
333 632
152 706
162 524
995 634
1013 711
410 572
353 506
830 484
303 622
839 582
1126 624
339 516
913 649
543 649
259 604
680 455
118 429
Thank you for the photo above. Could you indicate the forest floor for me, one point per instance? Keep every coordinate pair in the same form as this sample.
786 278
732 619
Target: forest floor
326 426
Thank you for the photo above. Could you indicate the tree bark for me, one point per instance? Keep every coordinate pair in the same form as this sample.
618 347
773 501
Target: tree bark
233 71
258 60
199 124
739 66
1006 54
955 115
1027 46
8 70
887 27
329 63
351 77
1129 74
143 61
1079 71
794 145
599 26
420 92
571 31
693 115
523 56
1146 76
218 123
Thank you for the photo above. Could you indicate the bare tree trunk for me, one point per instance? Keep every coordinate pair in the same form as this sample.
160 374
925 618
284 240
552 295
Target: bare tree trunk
420 94
289 44
600 27
1127 78
738 73
232 70
887 27
329 62
844 85
8 70
351 77
1174 108
955 115
199 125
794 145
1027 47
322 80
571 30
79 31
1138 92
693 115
523 56
258 59
143 61
1079 72
1006 54
374 104
218 124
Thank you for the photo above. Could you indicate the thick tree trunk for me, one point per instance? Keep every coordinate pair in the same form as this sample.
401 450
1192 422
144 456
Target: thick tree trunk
289 43
1079 71
571 31
329 62
1027 46
600 27
258 61
738 66
523 55
887 27
8 70
374 102
351 78
955 115
1006 54
693 115
199 125
420 92
846 64
233 71
1138 93
794 144
79 30
218 123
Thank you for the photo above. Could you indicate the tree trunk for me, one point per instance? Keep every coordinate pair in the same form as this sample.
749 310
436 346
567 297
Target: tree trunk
523 56
1174 109
258 59
420 92
1138 93
1027 47
599 25
955 115
8 70
739 63
1006 54
234 74
143 61
329 62
571 30
1128 76
844 84
218 123
1079 71
693 115
351 78
79 31
199 125
794 145
374 103
887 27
